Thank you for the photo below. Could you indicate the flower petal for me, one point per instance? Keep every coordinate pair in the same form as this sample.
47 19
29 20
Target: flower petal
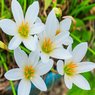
60 38
8 26
14 43
61 53
21 57
17 12
38 20
79 51
31 43
65 24
68 41
14 74
81 82
69 48
52 24
43 68
44 57
39 83
37 28
34 57
85 67
68 81
60 67
32 13
24 87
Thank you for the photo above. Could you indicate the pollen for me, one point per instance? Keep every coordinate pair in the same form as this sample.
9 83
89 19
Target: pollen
57 32
28 72
47 45
70 68
24 30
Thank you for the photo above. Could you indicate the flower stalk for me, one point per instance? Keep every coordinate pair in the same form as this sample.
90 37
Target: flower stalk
6 68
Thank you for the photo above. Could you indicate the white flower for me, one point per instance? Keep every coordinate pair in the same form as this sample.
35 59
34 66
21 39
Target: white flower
63 28
30 69
50 45
72 68
24 27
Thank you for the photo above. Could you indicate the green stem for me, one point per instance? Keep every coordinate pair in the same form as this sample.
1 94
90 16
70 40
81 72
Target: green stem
54 71
6 68
24 6
26 50
2 7
77 39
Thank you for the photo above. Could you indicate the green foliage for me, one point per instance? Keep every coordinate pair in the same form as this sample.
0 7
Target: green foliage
47 3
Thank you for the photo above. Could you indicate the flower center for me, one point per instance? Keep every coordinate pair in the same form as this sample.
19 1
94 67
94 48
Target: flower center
70 68
47 45
28 72
57 32
23 30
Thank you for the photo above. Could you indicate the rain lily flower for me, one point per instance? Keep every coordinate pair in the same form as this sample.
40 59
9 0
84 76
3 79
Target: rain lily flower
64 27
23 28
50 45
72 68
30 69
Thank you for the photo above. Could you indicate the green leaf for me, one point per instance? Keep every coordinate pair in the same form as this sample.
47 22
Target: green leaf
47 3
79 22
91 17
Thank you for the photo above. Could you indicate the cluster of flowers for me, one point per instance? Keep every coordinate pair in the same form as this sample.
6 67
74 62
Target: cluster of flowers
46 42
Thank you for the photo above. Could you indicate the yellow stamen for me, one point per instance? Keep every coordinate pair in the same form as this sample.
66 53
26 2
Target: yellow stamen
70 68
47 45
24 30
29 72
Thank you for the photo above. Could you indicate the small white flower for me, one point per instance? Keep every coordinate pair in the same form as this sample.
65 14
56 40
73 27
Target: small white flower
30 69
50 44
24 27
72 68
63 27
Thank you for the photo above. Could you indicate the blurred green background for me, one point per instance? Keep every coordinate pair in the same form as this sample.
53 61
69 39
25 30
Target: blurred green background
82 13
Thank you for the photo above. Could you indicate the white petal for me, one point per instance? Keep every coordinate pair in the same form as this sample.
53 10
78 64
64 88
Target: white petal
24 87
60 38
81 82
43 68
14 74
17 12
60 67
52 24
85 67
34 57
14 43
65 24
21 57
8 26
31 43
44 57
61 53
39 83
69 48
68 41
38 20
68 81
37 28
32 13
79 51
